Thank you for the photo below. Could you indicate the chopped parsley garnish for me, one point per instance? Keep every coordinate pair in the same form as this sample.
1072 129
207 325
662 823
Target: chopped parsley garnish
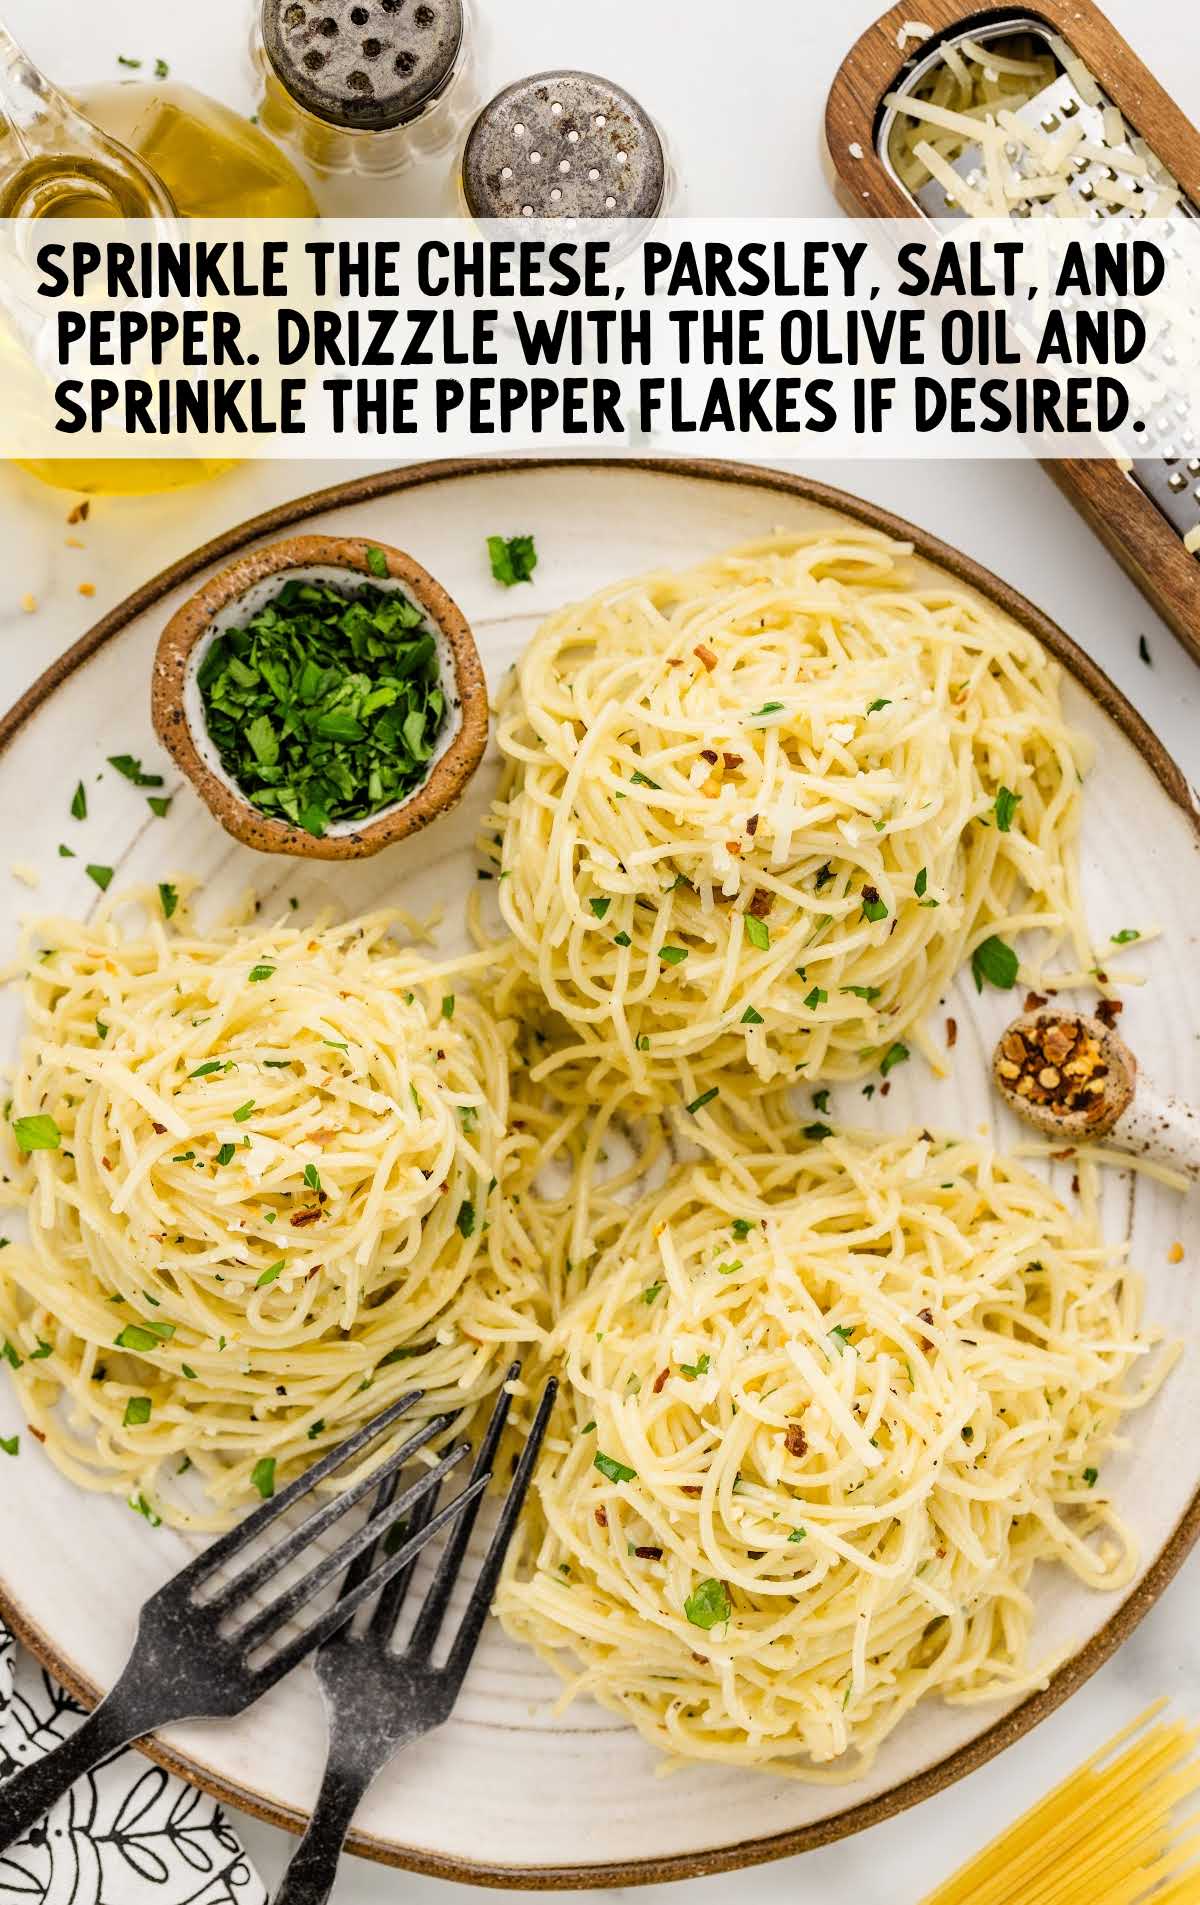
708 1605
920 883
705 1098
269 1276
37 1132
672 955
1091 1476
994 960
768 707
622 939
798 1534
144 1336
821 1099
257 974
895 1055
466 1219
614 1470
757 931
159 805
873 907
840 1335
699 1368
124 59
185 1369
741 1227
600 907
448 1006
132 770
638 779
327 704
316 1428
10 1354
816 997
1126 936
513 559
161 69
243 1111
1005 808
869 993
41 1352
751 1017
101 875
10 1444
209 1066
876 705
262 1476
168 897
650 1292
824 875
137 1410
816 1131
79 803
312 1177
138 1503
225 1154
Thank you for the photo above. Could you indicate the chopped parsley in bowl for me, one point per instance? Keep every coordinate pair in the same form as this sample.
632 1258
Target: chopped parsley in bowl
325 706
324 695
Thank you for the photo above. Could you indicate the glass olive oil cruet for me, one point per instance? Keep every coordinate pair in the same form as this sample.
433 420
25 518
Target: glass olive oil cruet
136 149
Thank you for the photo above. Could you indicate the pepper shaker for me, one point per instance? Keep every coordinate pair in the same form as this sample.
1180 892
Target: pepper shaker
363 85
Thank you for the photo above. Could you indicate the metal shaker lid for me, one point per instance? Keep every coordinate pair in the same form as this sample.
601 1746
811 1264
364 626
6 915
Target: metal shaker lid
564 145
364 64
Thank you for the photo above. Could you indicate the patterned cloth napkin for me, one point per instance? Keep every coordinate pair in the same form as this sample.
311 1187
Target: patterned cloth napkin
128 1834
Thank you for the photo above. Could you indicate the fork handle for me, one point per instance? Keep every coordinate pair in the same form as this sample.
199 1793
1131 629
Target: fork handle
310 1877
41 1784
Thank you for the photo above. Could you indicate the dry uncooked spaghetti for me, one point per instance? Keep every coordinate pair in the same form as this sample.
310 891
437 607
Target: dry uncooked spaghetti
1108 1835
267 1193
822 1415
757 814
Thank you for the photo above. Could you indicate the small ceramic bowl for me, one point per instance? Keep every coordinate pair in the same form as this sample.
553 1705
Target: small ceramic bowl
227 600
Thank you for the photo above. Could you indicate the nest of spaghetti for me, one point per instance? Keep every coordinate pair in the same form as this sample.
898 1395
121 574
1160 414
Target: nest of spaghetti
267 1175
756 815
821 1416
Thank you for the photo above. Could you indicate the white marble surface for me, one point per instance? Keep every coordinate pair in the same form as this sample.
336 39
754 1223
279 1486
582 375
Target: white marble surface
741 94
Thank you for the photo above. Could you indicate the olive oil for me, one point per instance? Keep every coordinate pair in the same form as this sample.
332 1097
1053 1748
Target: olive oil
160 146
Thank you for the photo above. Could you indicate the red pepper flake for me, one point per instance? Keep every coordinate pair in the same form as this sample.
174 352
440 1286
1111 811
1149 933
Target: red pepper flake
885 1088
734 847
705 654
160 1129
601 1517
648 1554
752 825
795 1441
926 1316
687 1489
709 754
761 904
1075 1184
80 513
304 1217
1033 1000
951 1034
659 1380
36 1434
731 761
1109 1010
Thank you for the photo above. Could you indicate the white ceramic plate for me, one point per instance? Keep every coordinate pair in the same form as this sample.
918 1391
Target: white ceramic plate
505 1792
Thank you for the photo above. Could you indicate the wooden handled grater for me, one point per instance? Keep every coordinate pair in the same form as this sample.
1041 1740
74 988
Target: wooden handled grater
1142 517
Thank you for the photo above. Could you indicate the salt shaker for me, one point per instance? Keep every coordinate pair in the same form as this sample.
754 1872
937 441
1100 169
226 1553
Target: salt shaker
564 145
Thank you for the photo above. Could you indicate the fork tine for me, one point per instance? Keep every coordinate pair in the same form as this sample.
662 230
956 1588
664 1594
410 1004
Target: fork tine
347 1606
320 1519
240 1537
360 1566
465 1640
433 1609
391 1601
255 1631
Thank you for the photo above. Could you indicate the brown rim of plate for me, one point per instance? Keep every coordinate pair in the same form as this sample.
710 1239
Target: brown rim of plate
446 782
1073 1672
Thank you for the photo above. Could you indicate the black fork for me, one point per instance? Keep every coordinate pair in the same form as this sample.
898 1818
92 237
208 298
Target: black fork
378 1700
187 1663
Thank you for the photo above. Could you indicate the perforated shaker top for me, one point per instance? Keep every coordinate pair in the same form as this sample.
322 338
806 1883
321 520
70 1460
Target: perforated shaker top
364 64
564 145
